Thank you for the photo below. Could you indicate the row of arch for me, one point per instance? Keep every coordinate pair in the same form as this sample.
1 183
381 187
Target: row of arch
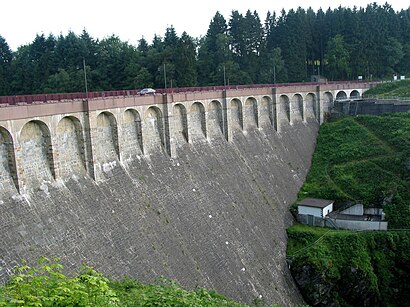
82 146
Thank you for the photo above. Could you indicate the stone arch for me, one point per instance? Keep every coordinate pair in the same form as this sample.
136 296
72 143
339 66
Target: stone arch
354 94
296 108
153 129
327 102
341 95
250 113
181 122
215 118
70 146
36 152
8 168
106 147
311 106
265 114
236 114
197 121
132 133
284 108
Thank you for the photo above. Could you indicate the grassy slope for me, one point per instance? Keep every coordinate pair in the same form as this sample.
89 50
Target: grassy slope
357 158
362 159
398 89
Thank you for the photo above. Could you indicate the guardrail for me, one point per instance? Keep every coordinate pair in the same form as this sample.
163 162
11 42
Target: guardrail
59 97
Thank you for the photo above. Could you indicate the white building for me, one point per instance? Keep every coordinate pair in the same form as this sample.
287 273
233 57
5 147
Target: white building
315 206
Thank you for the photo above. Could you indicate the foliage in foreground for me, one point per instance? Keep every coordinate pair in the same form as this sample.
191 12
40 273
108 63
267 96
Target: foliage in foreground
364 158
347 268
47 285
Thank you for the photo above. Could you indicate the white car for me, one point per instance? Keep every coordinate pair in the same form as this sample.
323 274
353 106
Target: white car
146 91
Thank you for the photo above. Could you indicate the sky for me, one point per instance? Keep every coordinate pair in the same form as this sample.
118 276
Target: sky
21 20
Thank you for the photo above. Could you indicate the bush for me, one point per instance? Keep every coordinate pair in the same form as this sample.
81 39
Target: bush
46 285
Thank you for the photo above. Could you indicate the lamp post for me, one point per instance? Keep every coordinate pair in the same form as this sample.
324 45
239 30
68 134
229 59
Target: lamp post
165 77
274 74
85 80
224 76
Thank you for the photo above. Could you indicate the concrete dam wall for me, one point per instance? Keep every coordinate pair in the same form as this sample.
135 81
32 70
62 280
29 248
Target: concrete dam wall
213 217
191 186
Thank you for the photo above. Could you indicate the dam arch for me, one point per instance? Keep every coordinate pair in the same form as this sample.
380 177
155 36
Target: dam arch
70 147
197 122
267 112
341 95
106 148
354 94
326 105
36 155
236 114
250 113
284 109
132 133
310 106
153 130
214 119
8 168
181 123
296 109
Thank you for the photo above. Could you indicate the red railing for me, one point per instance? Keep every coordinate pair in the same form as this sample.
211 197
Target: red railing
53 98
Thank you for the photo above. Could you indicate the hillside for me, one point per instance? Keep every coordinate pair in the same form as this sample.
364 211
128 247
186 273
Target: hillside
347 268
398 89
364 158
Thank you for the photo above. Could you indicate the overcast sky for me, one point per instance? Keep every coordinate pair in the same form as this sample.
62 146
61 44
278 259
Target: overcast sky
21 20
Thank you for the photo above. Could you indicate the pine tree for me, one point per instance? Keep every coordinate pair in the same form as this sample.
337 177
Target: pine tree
6 57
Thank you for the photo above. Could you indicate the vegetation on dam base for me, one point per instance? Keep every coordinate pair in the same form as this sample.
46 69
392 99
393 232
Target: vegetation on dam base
347 268
46 285
366 159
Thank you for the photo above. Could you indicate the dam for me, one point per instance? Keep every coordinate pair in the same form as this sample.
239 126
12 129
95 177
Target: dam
193 186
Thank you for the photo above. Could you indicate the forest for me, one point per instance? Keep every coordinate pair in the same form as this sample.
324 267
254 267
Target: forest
290 46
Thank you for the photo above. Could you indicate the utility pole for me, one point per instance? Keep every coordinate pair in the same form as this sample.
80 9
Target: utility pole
224 76
165 77
274 74
85 80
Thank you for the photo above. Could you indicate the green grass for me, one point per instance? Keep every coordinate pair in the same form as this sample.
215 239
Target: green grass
397 89
363 159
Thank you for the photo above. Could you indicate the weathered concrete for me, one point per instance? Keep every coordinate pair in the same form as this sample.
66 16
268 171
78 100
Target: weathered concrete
192 186
213 217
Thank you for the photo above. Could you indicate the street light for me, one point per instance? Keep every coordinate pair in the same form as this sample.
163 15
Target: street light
85 80
274 74
165 77
224 76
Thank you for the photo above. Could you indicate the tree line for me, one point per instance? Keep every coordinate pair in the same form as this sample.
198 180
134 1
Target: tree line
339 44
